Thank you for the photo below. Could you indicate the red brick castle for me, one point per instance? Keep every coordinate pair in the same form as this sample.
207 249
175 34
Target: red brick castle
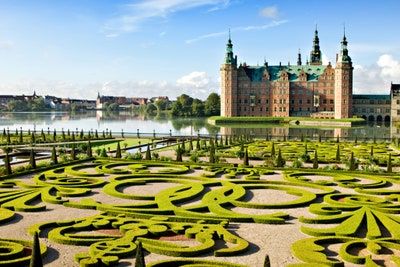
310 89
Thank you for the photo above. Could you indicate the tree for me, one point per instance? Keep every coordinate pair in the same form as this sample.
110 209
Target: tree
315 160
246 158
151 109
198 108
176 109
148 154
161 105
54 156
337 153
118 154
213 105
139 260
389 163
36 256
32 160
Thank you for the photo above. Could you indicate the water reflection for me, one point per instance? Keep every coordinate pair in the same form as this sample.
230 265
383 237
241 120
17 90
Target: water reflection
131 122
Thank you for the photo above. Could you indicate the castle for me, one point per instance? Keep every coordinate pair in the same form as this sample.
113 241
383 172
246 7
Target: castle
310 89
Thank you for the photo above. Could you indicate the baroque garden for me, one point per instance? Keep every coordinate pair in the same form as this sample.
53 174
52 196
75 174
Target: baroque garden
105 200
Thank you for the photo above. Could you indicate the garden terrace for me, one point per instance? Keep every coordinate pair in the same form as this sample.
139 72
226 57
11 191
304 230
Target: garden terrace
96 211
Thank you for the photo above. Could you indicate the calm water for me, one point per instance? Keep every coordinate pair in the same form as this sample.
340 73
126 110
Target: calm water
181 126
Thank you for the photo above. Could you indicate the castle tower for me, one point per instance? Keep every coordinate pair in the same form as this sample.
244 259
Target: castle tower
229 82
343 83
315 55
299 59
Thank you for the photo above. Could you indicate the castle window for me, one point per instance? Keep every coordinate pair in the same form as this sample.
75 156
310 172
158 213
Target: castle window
275 101
324 101
398 101
332 92
280 109
308 101
371 110
372 101
300 109
300 101
284 109
266 109
398 112
244 109
331 109
275 109
259 101
266 101
388 110
292 101
240 101
308 109
331 101
261 109
252 109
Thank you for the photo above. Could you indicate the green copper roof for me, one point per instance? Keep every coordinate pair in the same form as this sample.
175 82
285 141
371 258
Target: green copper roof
255 73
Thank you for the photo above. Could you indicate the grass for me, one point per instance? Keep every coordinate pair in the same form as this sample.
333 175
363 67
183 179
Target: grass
276 120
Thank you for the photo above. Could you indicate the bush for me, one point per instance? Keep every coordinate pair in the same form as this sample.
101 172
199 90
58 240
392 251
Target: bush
297 163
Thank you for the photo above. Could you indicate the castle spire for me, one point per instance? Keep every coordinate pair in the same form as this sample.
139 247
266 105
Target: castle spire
344 52
315 55
299 58
229 58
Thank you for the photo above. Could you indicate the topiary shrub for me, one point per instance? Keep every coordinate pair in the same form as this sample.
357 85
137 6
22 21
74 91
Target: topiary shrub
118 151
148 154
315 160
139 259
36 258
279 160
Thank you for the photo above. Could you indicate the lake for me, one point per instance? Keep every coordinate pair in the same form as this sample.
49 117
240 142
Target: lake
131 122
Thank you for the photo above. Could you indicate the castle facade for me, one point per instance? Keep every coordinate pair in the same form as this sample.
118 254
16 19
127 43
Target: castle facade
310 89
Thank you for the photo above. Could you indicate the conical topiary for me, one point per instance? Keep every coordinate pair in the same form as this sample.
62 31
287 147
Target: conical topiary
33 140
246 158
7 164
280 161
273 150
211 158
54 135
118 154
89 151
73 152
352 165
337 158
191 145
315 160
21 137
148 154
198 145
139 259
389 164
337 139
36 256
178 154
371 153
267 262
32 160
54 159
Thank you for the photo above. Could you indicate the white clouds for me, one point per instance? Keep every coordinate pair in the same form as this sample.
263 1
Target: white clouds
390 67
194 79
237 29
375 79
133 15
270 12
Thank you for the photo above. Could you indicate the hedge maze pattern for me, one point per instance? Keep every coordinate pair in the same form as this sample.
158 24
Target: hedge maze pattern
357 212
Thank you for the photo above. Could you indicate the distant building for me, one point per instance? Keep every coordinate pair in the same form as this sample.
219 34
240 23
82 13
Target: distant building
395 102
310 89
5 99
79 104
122 101
372 107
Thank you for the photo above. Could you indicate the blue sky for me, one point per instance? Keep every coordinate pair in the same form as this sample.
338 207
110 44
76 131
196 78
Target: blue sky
76 48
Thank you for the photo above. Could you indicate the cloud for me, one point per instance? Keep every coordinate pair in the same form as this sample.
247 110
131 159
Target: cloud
376 78
133 15
237 29
196 84
270 12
